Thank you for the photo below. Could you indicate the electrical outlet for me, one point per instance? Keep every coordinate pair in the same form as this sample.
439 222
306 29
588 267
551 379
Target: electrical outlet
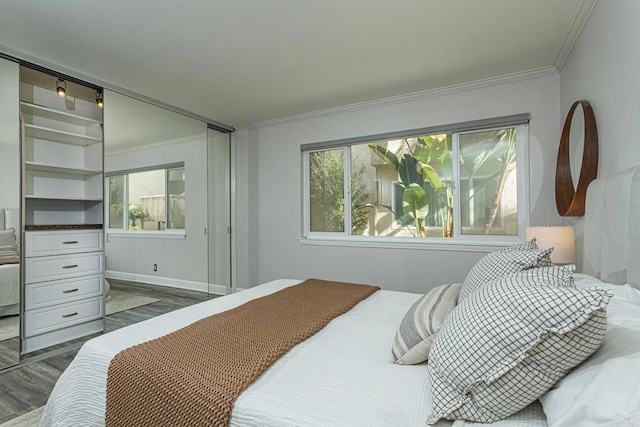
155 267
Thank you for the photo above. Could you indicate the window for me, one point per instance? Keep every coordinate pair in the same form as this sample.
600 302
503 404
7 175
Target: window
149 199
463 184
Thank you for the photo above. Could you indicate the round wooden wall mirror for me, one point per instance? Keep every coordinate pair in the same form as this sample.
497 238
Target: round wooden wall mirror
570 200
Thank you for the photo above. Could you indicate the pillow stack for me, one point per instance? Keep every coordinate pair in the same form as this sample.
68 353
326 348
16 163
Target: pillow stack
519 327
8 247
422 322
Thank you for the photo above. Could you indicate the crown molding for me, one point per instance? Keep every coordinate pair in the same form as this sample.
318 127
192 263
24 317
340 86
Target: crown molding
414 96
579 21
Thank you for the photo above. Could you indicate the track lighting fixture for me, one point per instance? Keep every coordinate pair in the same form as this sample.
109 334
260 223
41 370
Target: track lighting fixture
99 100
61 88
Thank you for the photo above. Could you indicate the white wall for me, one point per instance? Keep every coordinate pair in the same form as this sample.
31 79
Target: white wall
180 262
603 68
269 185
9 135
10 176
246 236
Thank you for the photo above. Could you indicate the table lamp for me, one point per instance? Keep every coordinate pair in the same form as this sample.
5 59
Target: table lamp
561 237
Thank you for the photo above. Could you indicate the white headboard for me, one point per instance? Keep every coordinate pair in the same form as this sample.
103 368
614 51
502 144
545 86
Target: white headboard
612 228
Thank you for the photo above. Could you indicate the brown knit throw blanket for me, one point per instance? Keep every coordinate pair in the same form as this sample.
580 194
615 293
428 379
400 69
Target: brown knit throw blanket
192 377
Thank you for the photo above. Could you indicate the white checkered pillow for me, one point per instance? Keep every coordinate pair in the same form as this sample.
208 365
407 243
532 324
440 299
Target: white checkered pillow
422 322
505 345
501 263
525 246
560 276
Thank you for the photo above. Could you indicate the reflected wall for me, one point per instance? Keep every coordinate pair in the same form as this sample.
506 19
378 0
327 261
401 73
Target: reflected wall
140 137
9 214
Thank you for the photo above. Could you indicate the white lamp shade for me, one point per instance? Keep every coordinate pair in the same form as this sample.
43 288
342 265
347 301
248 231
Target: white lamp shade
561 238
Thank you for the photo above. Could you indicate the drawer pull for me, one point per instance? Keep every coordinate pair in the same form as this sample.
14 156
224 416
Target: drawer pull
70 242
70 314
70 266
68 291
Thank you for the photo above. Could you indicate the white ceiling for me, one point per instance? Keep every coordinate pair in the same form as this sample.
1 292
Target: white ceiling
245 61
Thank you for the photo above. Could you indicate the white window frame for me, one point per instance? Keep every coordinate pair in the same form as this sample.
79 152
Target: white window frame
167 233
473 243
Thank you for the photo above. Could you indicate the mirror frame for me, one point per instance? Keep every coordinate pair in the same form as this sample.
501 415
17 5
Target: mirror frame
570 200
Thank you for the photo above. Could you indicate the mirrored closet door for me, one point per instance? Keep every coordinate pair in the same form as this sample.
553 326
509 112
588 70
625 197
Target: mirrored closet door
158 208
219 185
9 214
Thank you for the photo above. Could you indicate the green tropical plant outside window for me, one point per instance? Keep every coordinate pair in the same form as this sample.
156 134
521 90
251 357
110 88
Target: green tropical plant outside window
417 186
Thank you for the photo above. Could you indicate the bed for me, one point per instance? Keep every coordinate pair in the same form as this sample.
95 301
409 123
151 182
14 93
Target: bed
342 376
9 263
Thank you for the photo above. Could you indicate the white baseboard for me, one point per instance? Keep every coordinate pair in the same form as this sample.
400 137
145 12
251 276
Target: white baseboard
167 281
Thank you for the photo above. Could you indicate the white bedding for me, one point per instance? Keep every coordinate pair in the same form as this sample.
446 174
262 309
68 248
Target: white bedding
9 289
342 376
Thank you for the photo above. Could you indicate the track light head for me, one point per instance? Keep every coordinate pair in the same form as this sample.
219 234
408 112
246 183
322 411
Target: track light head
99 100
61 88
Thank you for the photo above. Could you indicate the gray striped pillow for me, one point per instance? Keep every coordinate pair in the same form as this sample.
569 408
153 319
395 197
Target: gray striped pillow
420 325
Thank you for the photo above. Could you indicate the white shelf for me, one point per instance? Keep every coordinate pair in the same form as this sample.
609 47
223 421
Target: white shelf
79 199
59 135
50 113
43 167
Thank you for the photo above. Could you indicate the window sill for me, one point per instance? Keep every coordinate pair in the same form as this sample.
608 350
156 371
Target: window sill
483 244
178 235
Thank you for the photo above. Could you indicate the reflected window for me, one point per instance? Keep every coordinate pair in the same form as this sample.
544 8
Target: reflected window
148 200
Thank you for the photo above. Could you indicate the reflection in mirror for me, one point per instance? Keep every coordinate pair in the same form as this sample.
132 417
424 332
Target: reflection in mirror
9 214
576 143
156 210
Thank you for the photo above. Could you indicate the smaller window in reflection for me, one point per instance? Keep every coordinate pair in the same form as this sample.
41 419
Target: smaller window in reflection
154 200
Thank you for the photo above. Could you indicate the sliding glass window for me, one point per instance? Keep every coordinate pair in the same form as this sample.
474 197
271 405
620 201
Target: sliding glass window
466 185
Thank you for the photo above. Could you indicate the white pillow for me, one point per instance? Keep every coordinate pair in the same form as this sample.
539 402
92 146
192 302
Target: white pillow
605 389
8 237
508 343
422 322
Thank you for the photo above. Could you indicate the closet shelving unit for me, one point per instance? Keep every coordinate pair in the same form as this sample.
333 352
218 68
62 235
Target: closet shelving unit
62 193
63 167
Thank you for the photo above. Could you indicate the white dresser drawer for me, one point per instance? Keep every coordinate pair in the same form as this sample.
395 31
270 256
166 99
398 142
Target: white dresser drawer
45 243
52 318
62 267
39 295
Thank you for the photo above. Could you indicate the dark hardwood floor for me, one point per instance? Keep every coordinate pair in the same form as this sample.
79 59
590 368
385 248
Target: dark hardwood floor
28 386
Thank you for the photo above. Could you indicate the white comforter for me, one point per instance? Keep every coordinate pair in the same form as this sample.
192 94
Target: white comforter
342 376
